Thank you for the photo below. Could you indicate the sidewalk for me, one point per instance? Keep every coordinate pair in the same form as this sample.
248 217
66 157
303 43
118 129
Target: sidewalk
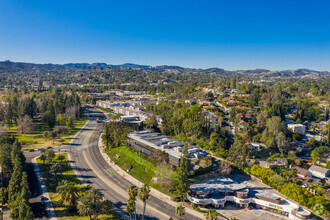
136 182
49 206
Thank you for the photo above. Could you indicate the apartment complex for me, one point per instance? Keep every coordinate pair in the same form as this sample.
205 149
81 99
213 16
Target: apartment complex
221 190
148 143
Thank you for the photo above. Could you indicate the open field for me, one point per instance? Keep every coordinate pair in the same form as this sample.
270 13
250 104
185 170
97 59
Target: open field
36 138
68 174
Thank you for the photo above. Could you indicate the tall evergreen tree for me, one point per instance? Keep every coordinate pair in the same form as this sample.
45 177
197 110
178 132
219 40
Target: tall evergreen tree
183 173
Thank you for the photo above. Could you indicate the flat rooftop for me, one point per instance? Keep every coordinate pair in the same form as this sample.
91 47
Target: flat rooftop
162 142
220 184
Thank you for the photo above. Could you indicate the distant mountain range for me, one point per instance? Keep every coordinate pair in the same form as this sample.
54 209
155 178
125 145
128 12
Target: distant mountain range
32 68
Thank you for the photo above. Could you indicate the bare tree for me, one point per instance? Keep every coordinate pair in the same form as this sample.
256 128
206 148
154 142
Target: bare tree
224 168
24 125
72 111
3 129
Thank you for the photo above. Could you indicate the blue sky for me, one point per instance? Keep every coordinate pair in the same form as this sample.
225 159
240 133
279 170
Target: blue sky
232 34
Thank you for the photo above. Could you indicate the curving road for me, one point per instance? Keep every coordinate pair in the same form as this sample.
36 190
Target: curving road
89 165
94 170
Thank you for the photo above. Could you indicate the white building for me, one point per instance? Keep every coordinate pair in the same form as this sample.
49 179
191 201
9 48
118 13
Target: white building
319 172
297 128
220 190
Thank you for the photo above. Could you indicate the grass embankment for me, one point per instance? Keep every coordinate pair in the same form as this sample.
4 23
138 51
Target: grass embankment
36 138
67 174
143 169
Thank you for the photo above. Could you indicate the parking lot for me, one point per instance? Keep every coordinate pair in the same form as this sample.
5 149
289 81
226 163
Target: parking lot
232 211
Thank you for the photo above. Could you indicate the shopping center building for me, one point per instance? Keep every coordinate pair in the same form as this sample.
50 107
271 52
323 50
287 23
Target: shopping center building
220 191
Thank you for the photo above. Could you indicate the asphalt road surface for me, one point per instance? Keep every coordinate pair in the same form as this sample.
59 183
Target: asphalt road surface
93 170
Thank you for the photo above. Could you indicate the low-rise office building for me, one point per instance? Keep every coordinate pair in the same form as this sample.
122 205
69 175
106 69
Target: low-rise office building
221 190
147 143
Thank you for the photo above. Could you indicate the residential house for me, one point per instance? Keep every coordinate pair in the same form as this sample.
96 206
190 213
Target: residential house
297 128
234 102
303 173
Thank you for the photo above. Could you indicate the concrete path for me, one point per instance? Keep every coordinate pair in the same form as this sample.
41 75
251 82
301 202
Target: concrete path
48 203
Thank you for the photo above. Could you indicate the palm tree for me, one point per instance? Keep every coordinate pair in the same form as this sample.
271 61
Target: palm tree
144 196
56 168
43 158
95 194
179 211
130 207
318 188
69 192
132 191
211 215
93 205
84 207
53 134
61 158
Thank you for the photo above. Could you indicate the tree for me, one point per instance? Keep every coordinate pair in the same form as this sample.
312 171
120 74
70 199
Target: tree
48 118
131 202
151 122
43 158
3 196
24 125
69 123
224 168
232 114
93 205
56 168
50 155
132 191
14 182
281 142
320 154
211 215
61 158
69 193
239 152
130 207
60 119
180 211
95 194
183 173
328 135
144 196
53 134
314 143
46 134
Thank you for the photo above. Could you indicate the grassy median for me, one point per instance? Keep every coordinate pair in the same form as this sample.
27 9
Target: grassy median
67 174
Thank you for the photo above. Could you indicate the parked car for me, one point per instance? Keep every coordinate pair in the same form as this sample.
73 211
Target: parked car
43 200
49 148
40 148
31 150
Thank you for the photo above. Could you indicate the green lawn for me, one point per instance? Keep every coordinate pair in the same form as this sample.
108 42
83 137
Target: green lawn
143 169
68 174
36 139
